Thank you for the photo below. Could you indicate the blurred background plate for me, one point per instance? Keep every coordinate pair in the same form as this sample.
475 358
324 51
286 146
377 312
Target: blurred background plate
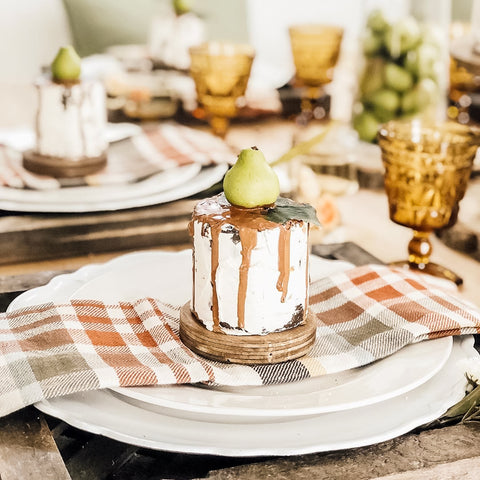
206 177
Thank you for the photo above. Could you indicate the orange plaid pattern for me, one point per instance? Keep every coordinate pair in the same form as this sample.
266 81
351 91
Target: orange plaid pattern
363 314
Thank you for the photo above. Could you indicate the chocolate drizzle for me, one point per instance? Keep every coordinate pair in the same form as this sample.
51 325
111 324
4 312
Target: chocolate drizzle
66 95
220 216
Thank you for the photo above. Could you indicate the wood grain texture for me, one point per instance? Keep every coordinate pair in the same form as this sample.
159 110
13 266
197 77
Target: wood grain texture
246 349
409 454
27 448
62 167
25 238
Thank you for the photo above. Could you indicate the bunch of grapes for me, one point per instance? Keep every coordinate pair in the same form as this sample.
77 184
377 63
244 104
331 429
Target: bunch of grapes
404 66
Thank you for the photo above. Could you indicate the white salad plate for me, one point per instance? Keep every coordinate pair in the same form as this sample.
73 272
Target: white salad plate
103 413
144 274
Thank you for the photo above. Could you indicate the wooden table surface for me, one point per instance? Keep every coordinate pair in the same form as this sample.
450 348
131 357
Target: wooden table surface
32 446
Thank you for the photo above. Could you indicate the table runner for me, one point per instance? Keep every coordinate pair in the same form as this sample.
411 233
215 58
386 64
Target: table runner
363 314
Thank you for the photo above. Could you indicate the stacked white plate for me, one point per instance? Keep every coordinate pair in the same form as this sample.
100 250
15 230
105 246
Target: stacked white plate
165 186
350 409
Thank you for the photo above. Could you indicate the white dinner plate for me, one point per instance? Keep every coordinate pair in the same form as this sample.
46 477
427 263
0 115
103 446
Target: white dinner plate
103 413
140 275
147 192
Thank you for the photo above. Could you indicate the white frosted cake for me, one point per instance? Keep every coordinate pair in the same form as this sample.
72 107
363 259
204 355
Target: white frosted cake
250 274
71 119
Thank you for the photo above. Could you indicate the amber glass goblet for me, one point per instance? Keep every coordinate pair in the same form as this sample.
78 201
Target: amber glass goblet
315 50
427 168
220 72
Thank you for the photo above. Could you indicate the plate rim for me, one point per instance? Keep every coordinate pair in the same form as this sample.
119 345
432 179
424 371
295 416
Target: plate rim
429 413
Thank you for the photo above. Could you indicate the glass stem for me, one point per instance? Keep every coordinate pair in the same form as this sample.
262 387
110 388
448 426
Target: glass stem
219 126
419 248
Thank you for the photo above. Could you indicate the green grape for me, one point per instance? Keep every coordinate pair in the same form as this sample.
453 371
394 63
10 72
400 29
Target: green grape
366 126
398 78
377 22
402 36
384 100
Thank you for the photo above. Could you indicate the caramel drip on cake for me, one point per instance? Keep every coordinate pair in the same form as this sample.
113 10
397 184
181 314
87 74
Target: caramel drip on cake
283 261
215 231
307 277
248 239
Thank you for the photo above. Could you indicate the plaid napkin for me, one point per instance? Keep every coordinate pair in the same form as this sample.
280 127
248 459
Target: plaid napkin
363 314
156 149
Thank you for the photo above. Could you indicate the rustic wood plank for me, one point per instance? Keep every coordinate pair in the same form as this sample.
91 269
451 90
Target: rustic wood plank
467 469
409 453
462 238
20 283
27 448
25 238
99 458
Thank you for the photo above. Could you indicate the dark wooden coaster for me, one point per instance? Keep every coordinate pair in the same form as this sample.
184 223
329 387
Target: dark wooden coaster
246 349
62 167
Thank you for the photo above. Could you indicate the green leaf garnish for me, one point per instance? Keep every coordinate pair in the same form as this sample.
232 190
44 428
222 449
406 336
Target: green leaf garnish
286 209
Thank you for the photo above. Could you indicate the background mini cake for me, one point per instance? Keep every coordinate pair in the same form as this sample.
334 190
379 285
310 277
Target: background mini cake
70 121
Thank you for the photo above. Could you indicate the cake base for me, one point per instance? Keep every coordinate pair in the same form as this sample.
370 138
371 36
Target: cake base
62 167
274 347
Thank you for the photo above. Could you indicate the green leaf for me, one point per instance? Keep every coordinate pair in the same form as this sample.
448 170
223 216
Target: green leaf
286 209
464 406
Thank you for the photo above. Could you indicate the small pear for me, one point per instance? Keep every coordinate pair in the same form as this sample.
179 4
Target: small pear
67 65
182 6
251 182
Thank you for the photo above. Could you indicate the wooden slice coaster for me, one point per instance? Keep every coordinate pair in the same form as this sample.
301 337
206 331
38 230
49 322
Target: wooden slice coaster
63 167
246 349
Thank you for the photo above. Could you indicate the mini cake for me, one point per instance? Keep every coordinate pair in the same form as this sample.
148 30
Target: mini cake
70 122
250 254
250 273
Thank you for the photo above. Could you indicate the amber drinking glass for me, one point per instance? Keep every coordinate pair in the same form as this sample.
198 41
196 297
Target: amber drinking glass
315 50
427 168
220 72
